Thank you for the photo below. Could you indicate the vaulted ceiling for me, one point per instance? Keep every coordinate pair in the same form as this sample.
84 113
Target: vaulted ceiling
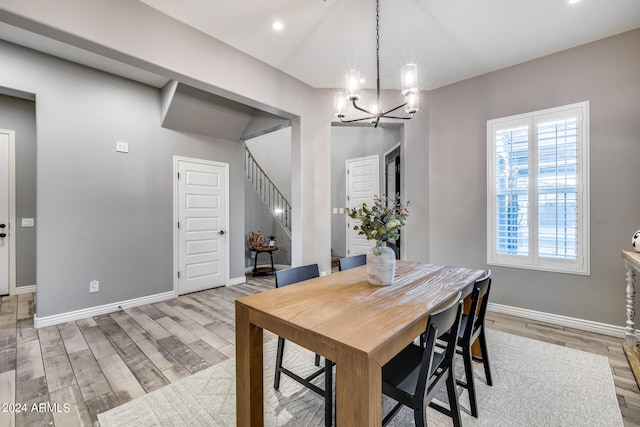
450 40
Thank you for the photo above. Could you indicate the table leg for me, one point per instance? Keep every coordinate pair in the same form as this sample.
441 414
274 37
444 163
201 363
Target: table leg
630 332
249 380
358 390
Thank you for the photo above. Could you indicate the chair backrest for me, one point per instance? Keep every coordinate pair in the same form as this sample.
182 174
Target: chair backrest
445 320
447 317
478 308
296 274
351 262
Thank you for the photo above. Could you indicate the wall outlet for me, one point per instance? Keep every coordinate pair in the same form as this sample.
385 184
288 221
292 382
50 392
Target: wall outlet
94 286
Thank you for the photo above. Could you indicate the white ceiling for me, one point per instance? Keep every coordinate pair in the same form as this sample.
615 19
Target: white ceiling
450 40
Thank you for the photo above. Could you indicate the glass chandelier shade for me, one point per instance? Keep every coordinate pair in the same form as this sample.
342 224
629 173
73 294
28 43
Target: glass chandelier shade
353 85
409 79
411 103
340 104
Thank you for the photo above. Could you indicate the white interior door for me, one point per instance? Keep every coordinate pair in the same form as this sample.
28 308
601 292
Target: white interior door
202 211
363 183
5 250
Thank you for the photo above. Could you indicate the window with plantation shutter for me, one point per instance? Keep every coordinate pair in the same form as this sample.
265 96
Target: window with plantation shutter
538 190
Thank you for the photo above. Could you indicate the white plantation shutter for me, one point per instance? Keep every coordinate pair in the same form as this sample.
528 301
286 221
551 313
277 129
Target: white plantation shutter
538 190
512 189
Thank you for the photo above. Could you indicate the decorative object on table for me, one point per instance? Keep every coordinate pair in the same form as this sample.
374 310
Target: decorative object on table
272 241
257 239
635 241
381 222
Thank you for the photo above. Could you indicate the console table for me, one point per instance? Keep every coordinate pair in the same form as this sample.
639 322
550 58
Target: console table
630 345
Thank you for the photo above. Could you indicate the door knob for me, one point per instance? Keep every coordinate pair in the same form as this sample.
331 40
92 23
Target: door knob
3 235
221 232
3 225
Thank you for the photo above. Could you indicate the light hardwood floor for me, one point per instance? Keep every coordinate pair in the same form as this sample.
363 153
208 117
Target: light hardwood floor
73 371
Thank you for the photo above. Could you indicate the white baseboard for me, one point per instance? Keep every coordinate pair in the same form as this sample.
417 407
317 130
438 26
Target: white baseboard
555 319
237 281
25 289
41 322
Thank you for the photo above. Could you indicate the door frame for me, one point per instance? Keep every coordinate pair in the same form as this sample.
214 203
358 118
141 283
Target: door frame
176 248
12 226
399 183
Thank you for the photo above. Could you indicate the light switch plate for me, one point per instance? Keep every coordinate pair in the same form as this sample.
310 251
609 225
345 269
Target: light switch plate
28 222
122 147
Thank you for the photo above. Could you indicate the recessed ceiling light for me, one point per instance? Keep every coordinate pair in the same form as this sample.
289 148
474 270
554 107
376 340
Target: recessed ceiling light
277 26
574 1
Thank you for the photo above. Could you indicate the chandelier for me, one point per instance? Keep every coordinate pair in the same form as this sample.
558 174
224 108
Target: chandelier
409 81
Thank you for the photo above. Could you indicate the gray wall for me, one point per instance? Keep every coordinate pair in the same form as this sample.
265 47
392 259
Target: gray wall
20 115
349 142
104 215
606 73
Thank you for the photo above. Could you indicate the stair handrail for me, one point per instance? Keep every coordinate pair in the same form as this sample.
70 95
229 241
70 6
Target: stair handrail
269 193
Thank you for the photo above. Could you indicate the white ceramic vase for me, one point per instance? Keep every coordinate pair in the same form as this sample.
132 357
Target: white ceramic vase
381 268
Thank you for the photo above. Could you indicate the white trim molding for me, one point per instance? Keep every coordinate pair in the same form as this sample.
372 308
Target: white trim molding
25 289
237 281
41 322
555 319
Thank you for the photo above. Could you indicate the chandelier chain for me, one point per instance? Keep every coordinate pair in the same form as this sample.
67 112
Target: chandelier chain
378 51
378 30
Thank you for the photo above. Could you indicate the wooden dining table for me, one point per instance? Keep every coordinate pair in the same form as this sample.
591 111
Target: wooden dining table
344 318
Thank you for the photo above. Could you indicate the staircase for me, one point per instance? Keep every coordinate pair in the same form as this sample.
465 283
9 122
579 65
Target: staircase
268 192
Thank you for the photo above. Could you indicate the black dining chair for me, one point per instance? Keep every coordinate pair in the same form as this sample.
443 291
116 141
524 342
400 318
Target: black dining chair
288 277
472 330
415 375
352 262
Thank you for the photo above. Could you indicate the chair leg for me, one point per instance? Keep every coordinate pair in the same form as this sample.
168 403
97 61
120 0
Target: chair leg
470 383
328 393
453 400
420 417
485 356
279 354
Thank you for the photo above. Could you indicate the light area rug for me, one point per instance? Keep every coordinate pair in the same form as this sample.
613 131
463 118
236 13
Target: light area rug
534 384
